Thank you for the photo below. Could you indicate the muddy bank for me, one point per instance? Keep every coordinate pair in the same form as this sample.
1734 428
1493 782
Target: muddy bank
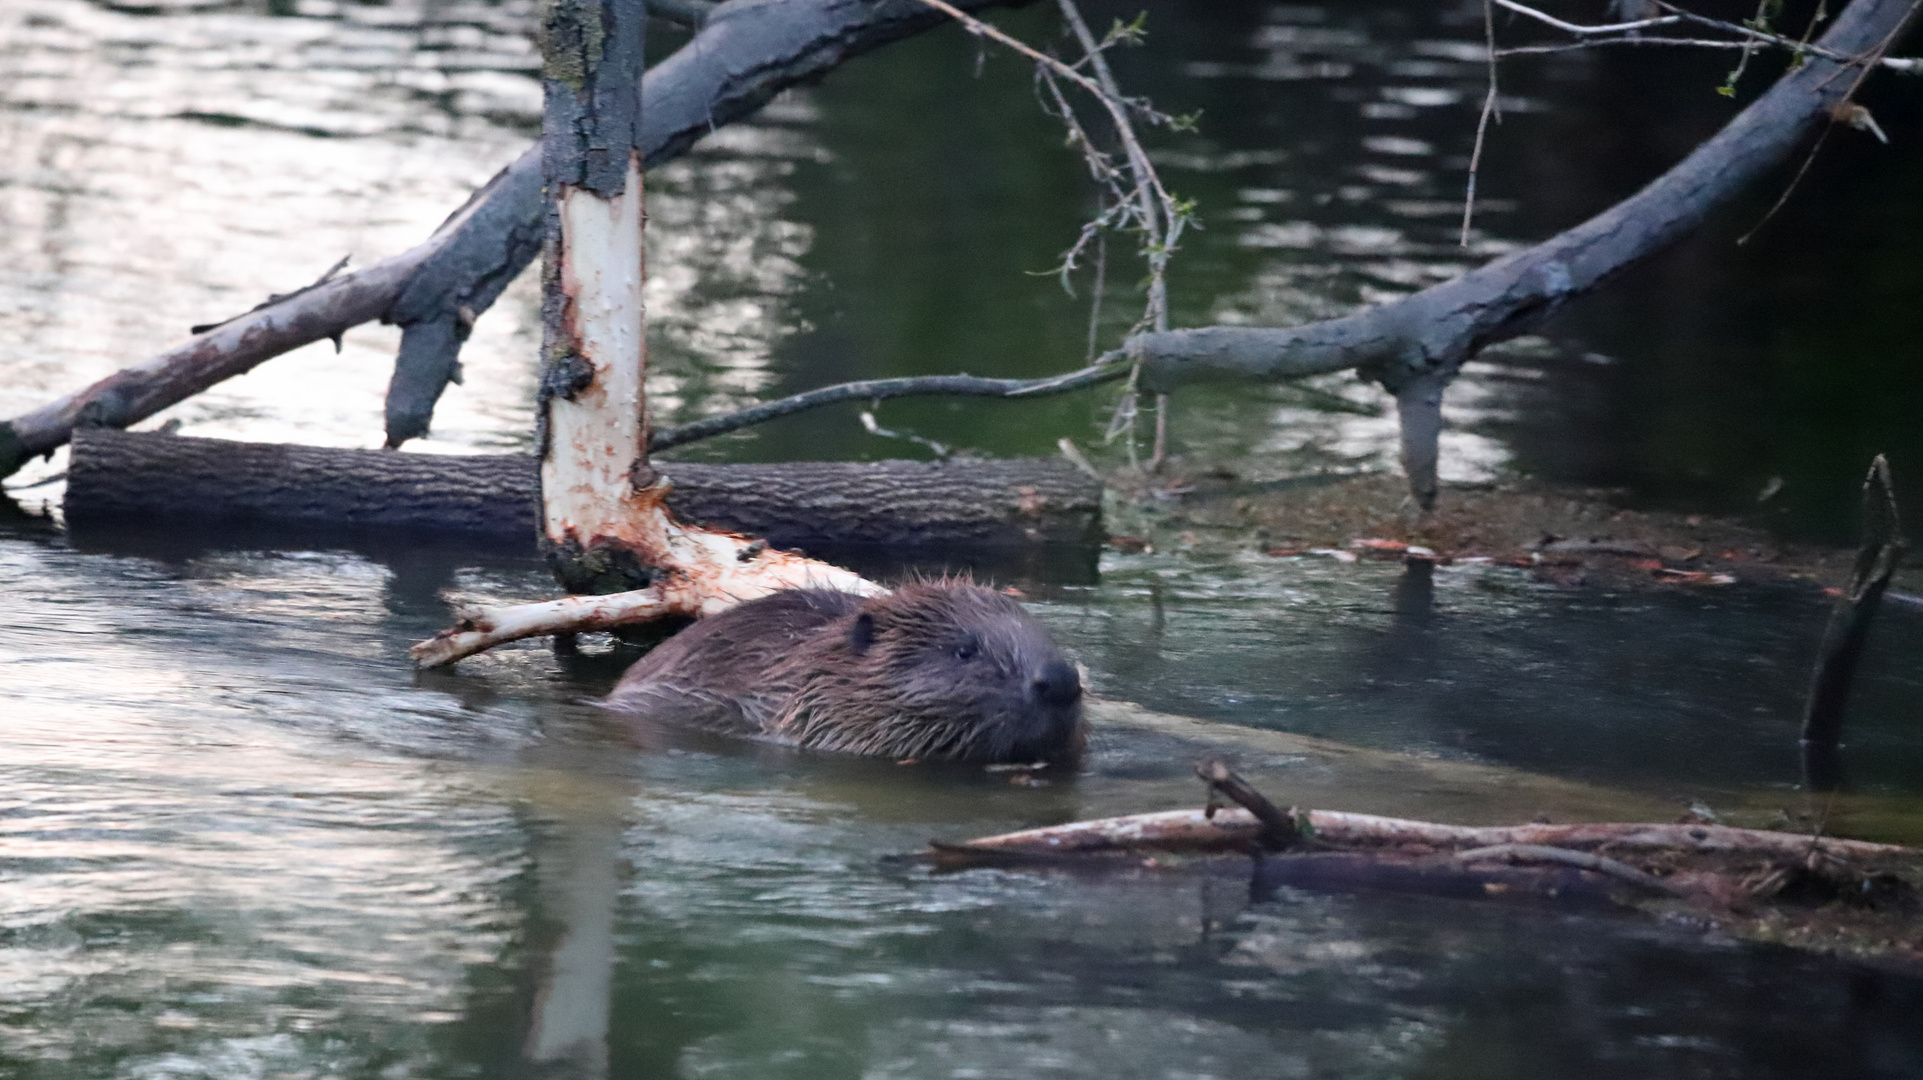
1565 534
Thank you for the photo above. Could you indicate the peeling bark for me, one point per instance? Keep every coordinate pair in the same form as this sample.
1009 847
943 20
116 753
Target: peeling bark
606 521
714 572
592 410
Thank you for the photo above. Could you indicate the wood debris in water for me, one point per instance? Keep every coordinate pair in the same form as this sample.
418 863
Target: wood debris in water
1820 892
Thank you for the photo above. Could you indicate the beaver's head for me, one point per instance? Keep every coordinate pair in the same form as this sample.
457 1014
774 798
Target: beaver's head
937 671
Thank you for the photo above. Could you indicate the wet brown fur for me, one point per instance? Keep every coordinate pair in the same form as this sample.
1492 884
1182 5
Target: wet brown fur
937 670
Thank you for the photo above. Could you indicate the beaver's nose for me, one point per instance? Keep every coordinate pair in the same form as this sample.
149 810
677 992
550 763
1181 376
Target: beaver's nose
1056 683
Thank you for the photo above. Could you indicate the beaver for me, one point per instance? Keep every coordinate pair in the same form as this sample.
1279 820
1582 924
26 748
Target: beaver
937 670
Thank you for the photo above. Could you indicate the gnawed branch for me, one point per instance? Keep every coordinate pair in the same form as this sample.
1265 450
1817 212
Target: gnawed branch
704 572
606 524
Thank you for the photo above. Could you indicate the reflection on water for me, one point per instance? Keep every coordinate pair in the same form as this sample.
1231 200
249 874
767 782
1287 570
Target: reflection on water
239 838
1679 690
170 169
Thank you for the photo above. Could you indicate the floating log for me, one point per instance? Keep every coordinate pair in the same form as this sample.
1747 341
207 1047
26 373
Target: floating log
801 505
1236 829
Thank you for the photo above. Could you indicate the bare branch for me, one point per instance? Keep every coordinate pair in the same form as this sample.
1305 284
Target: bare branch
1196 830
1597 43
1628 31
1489 111
1138 196
1431 333
1580 30
737 569
1108 368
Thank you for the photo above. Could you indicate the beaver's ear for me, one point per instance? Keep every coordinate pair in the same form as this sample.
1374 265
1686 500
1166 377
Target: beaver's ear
862 633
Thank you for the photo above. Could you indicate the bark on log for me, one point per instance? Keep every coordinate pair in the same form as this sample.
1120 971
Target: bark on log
1416 344
749 52
803 505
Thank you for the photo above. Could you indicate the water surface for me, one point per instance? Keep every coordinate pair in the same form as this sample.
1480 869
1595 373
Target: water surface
239 837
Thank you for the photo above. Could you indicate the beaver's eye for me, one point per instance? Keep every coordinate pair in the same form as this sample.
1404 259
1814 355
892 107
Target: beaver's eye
967 649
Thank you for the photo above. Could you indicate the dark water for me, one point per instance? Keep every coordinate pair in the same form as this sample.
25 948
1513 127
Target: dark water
240 838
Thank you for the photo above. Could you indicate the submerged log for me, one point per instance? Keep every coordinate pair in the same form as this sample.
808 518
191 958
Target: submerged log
988 504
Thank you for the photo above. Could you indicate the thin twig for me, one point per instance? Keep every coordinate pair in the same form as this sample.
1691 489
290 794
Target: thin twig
1789 188
1751 37
1139 199
1755 35
1096 293
1901 65
1158 451
1596 43
1161 222
1482 124
1578 29
988 30
1107 368
1581 860
1868 61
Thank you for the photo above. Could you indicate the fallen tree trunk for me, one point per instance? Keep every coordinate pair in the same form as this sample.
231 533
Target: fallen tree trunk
1414 346
747 53
805 505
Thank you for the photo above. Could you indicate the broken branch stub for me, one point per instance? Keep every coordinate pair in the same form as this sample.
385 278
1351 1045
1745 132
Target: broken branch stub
1849 626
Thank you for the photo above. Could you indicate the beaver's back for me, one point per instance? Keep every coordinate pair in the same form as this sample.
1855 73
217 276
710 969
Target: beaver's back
715 673
942 670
